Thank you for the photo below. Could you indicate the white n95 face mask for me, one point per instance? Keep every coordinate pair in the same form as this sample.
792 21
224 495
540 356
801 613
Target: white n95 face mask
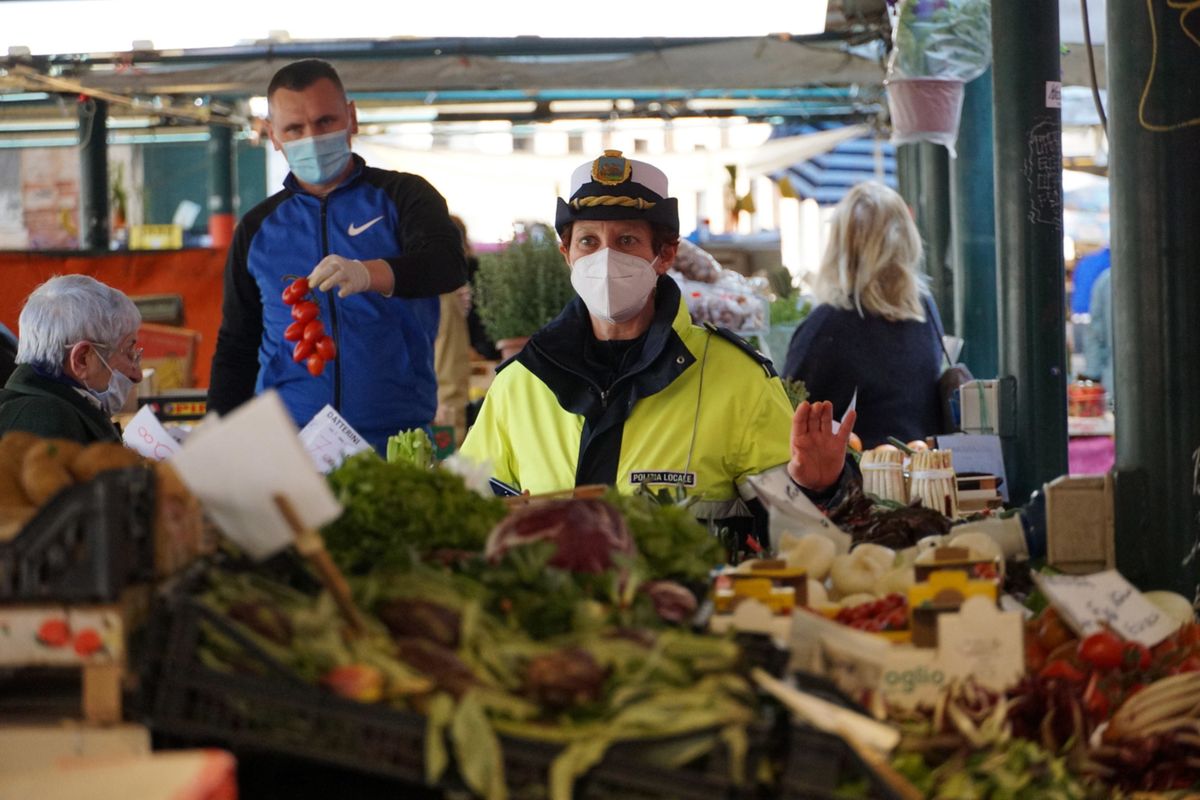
613 285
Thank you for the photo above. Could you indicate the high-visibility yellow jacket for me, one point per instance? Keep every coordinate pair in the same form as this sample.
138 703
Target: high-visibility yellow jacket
698 409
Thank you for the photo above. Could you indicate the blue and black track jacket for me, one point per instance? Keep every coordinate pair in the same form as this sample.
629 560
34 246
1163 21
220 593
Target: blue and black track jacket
382 380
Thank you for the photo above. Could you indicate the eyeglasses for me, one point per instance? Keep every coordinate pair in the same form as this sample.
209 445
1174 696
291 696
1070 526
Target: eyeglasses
132 354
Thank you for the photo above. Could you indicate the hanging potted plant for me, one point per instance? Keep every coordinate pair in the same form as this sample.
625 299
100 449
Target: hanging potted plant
519 289
939 45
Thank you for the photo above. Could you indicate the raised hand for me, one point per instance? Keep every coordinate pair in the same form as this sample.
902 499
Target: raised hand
818 454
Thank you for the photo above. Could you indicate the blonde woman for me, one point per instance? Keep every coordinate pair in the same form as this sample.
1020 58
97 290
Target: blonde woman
875 329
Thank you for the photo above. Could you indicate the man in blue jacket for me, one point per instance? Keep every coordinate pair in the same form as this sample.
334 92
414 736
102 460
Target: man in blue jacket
384 240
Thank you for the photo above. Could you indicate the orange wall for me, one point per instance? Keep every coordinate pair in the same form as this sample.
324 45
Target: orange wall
196 275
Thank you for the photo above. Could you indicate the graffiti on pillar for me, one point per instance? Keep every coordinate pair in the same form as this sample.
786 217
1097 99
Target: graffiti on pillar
1173 52
1043 173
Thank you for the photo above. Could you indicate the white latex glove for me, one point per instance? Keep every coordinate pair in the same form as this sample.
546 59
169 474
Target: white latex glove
347 274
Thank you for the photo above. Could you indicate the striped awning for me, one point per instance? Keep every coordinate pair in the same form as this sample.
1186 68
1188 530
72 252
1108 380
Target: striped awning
827 177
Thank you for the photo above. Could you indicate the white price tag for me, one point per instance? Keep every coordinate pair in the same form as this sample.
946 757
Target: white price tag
237 465
330 440
148 437
1088 602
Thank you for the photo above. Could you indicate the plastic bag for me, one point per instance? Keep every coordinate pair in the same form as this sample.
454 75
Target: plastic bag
939 46
732 301
695 263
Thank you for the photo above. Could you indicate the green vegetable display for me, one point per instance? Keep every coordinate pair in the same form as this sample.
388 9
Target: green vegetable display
1016 770
670 540
394 511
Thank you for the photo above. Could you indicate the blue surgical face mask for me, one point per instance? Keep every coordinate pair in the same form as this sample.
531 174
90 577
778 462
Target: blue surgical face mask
317 160
112 399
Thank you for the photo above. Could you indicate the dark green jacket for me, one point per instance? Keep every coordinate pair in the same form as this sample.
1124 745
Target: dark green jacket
50 408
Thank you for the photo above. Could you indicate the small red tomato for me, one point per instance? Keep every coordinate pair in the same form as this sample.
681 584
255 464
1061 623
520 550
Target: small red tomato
302 350
54 633
305 310
326 349
295 291
1095 701
315 364
1060 668
1135 655
1189 664
294 332
87 642
313 331
1103 649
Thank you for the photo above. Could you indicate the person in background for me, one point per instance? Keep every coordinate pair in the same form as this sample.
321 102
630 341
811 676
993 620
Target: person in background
1099 336
77 361
622 389
1087 270
452 353
874 335
382 239
481 342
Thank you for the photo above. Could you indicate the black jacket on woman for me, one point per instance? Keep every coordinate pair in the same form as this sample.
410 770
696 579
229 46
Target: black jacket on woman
893 365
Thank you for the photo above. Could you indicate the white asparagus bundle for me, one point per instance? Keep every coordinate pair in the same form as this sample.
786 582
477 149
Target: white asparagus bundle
934 482
883 474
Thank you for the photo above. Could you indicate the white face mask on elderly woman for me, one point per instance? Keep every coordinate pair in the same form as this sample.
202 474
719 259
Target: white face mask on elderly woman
613 285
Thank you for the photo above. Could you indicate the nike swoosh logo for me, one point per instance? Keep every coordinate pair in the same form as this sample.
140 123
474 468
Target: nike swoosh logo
355 230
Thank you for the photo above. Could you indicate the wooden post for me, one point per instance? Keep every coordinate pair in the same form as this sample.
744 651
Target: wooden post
312 547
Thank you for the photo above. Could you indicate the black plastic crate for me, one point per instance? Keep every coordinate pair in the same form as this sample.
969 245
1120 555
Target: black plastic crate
818 763
86 544
277 713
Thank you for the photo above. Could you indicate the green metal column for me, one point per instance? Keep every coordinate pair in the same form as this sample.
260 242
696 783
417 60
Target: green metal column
973 208
1029 244
933 219
1154 172
221 183
93 174
908 173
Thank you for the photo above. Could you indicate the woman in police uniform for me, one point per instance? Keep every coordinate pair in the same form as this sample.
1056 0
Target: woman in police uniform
622 389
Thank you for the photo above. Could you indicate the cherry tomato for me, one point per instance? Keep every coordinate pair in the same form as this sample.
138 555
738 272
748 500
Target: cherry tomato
54 633
294 332
295 291
87 641
326 349
1060 668
1135 655
315 364
305 310
304 348
1103 649
314 330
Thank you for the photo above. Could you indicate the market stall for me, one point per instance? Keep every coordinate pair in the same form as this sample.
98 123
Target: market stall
394 620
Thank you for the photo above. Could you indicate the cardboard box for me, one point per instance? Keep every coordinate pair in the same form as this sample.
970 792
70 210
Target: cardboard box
980 405
171 352
1079 523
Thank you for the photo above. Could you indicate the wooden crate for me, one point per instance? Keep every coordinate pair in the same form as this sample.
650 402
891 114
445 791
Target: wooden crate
91 638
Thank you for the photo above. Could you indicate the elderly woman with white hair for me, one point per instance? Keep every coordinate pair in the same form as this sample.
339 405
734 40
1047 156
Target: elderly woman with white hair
77 360
875 330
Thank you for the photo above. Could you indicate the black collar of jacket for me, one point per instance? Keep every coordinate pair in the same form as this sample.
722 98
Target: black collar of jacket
26 381
555 355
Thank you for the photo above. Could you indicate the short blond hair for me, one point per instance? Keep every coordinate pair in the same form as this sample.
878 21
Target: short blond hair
871 262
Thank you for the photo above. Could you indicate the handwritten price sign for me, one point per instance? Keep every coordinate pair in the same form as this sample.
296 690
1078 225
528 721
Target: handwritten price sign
1088 602
147 436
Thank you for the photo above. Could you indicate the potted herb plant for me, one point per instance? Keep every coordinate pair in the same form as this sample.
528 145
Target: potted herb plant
519 289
